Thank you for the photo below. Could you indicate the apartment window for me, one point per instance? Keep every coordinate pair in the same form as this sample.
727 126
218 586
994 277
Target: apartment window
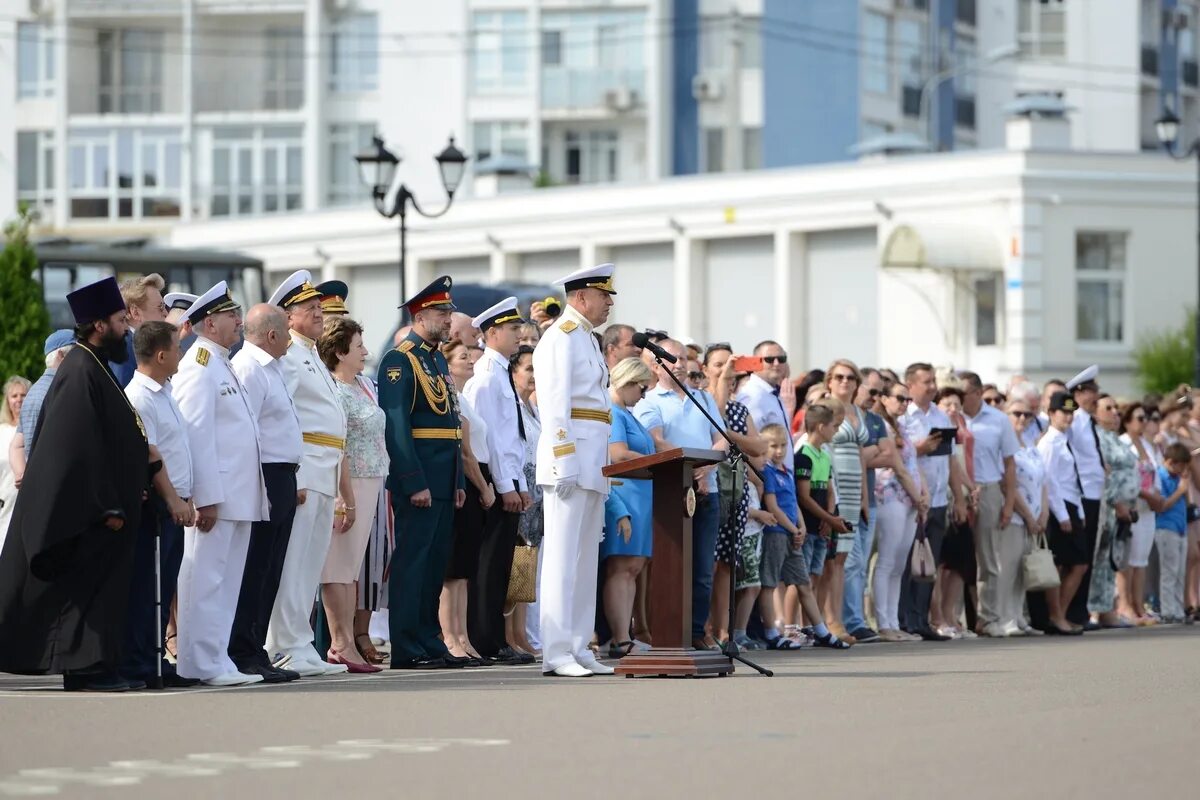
752 148
354 57
712 146
1100 286
35 60
716 36
283 83
124 174
964 82
131 71
500 52
910 57
552 48
1187 44
877 73
507 138
256 171
35 169
965 11
345 141
592 156
986 311
1041 28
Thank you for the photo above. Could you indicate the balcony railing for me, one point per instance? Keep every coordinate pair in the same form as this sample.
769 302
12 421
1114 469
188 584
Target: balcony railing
592 89
152 8
1149 59
1191 74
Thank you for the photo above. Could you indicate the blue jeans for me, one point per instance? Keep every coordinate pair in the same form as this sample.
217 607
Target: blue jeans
704 551
856 574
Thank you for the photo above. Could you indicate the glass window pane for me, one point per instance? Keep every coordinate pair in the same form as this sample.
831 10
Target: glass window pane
87 208
985 312
295 166
48 168
125 160
270 167
220 176
245 167
149 164
27 59
78 167
219 206
172 158
551 48
27 161
875 54
100 165
1099 311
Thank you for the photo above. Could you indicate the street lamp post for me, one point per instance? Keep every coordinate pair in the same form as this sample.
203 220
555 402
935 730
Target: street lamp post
999 54
377 167
1167 129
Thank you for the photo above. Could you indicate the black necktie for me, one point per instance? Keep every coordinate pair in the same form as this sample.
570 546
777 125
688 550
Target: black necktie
1096 438
517 398
1075 462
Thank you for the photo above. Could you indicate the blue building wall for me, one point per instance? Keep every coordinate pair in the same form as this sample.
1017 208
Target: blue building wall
810 81
685 112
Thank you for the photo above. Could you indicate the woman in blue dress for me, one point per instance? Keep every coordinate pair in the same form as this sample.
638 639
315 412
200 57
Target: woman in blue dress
628 533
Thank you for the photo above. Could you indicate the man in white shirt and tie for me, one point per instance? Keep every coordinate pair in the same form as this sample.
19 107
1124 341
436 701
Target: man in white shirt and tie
258 366
167 510
1085 443
761 392
228 491
493 396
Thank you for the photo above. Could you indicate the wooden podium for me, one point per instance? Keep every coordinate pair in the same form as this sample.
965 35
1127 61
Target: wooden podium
671 581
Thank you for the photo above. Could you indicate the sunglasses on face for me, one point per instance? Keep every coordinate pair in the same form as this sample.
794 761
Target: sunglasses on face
696 376
874 392
1021 414
993 401
774 359
657 336
842 378
902 398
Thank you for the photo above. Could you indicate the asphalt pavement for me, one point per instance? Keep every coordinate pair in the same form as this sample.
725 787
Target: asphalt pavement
1110 714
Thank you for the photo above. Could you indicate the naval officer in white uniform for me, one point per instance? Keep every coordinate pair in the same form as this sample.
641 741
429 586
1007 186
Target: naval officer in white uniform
573 400
323 429
227 489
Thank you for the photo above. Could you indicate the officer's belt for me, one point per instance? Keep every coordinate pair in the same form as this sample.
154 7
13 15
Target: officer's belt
593 414
325 440
437 433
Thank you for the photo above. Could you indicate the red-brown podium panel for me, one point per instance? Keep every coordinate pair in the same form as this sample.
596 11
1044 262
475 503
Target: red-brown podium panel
671 580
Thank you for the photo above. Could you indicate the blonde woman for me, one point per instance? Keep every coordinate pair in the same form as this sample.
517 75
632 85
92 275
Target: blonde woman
15 389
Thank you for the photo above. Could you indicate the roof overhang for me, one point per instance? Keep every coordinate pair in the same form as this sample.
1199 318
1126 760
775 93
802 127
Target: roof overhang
946 247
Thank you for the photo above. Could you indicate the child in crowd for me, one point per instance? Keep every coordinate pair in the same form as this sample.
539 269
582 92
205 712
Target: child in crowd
780 537
1170 534
838 409
813 475
749 574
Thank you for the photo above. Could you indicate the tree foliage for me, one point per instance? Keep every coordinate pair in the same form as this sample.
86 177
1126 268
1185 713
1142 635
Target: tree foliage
24 321
1164 359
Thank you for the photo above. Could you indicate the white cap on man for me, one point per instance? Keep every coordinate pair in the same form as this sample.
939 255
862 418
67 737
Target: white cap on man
214 301
296 288
1081 381
179 301
503 312
598 277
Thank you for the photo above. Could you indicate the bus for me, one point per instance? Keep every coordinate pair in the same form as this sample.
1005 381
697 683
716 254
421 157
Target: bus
67 264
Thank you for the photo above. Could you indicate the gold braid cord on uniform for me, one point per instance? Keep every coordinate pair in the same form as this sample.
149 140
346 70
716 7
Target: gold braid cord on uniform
436 392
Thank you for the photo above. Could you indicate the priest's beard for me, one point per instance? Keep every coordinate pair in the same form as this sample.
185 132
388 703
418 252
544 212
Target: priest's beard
113 348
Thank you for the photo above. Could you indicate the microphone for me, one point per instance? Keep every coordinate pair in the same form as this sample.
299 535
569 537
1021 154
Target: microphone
642 342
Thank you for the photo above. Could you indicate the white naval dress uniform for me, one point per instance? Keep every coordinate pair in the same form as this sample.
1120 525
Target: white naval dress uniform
575 408
223 439
323 423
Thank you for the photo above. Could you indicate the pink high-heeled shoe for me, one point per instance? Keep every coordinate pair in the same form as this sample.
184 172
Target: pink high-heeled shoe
334 657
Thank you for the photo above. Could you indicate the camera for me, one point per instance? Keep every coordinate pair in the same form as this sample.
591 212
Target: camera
552 306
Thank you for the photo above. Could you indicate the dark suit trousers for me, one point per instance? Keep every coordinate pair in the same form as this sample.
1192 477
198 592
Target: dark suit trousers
264 564
487 590
424 539
141 648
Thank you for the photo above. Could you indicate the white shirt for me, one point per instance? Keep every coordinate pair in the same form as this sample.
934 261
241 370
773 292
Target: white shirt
165 428
490 392
935 470
995 440
479 428
765 405
266 391
1062 479
319 409
1031 479
1083 436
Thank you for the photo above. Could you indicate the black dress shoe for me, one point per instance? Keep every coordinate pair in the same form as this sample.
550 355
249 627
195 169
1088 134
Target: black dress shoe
419 663
96 683
269 674
456 662
1090 626
173 680
509 656
930 635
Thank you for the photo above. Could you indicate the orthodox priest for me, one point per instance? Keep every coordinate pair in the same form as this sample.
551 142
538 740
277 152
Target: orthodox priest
67 563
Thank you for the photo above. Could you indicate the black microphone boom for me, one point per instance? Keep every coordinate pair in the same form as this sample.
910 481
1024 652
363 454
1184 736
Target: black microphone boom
642 342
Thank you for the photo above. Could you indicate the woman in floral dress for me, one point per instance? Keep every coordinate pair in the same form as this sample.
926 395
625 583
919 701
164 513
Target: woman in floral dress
1121 490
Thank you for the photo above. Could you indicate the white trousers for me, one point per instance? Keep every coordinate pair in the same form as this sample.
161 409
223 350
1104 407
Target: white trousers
290 633
570 558
895 529
1137 554
1172 572
210 578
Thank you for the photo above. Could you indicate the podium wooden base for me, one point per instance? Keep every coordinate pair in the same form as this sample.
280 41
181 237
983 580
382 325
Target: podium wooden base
675 662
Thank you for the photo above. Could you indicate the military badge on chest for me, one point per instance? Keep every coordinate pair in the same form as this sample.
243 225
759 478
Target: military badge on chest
393 374
227 389
308 366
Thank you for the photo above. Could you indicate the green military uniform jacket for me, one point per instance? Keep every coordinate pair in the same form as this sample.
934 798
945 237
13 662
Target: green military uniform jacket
424 435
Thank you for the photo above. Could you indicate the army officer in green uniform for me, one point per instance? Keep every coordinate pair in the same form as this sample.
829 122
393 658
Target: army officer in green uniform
424 442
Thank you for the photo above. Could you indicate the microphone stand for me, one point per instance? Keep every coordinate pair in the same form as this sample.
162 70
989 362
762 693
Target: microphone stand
730 649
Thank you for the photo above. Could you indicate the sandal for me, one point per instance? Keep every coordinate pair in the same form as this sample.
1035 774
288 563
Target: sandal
830 641
782 643
170 652
369 653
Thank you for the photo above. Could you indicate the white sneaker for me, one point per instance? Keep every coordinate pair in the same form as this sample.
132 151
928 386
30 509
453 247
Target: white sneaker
233 679
306 669
1013 630
597 667
569 670
332 669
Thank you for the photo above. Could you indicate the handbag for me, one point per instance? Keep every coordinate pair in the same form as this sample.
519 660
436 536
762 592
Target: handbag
922 566
522 579
1037 568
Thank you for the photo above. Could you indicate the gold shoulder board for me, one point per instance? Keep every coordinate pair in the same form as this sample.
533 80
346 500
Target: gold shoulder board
568 326
405 346
202 356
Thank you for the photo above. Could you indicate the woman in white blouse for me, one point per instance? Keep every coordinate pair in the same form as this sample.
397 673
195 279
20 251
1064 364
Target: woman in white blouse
468 520
15 389
1131 581
1031 517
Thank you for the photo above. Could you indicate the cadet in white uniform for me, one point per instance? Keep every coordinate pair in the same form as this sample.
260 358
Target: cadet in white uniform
227 490
493 396
573 400
323 427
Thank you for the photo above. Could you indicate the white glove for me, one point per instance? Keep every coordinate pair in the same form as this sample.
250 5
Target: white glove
564 486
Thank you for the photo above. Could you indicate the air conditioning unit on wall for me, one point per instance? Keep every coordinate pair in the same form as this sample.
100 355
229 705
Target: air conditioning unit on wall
621 99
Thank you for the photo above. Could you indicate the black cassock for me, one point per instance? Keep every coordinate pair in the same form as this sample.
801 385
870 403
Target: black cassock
64 576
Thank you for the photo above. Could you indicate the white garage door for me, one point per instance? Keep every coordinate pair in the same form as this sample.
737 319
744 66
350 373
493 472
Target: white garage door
738 305
843 298
645 286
